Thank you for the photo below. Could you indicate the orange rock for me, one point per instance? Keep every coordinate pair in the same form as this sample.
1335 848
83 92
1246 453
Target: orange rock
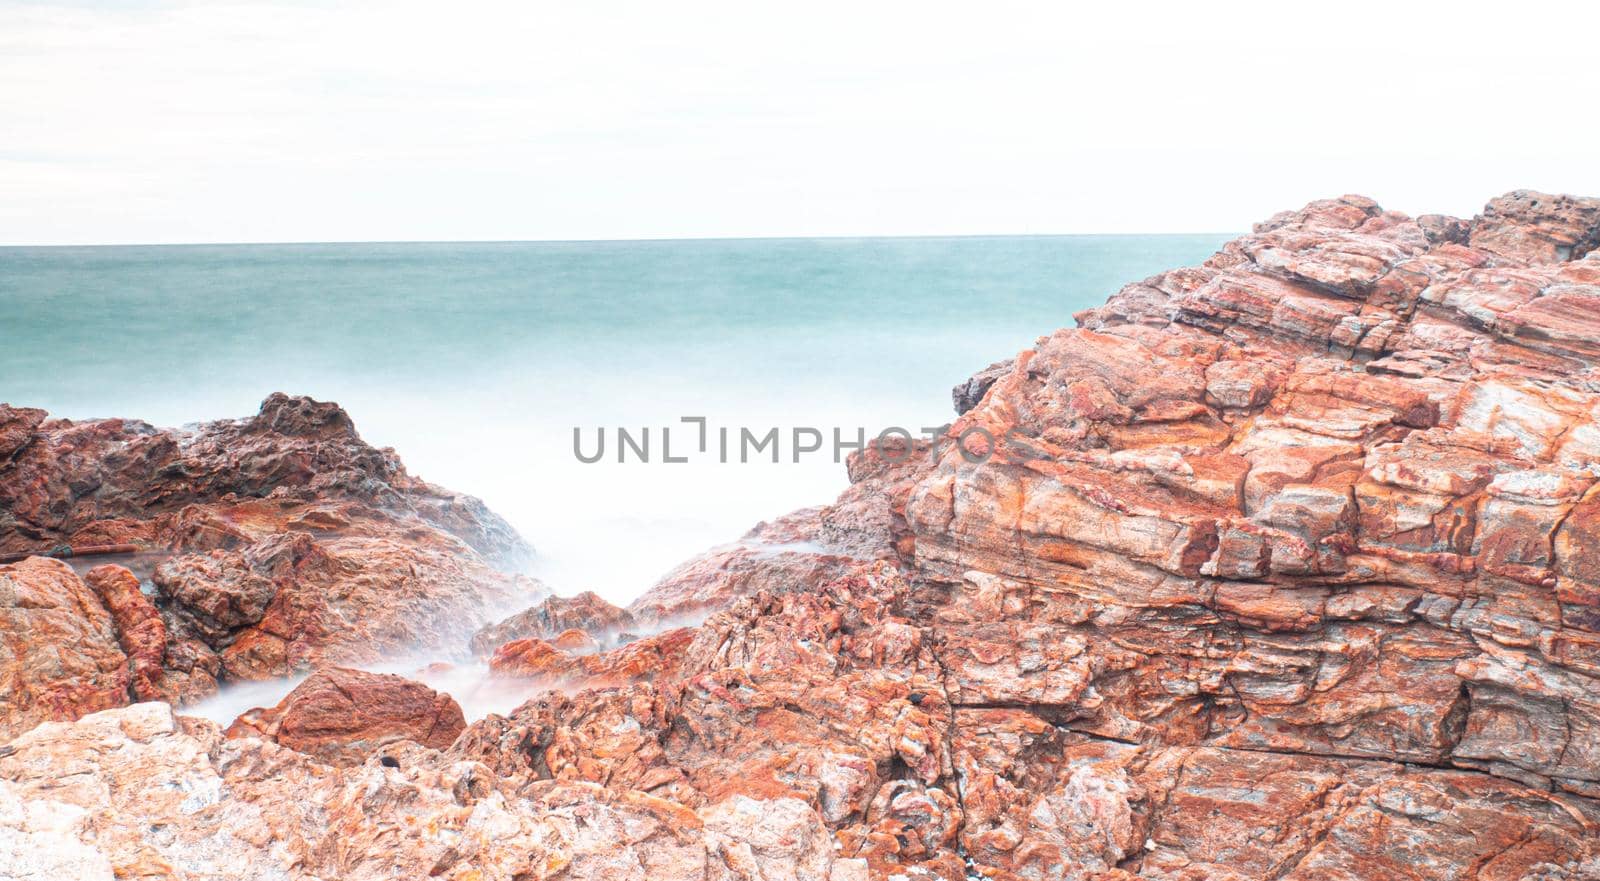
1283 567
139 628
275 544
59 655
585 612
340 716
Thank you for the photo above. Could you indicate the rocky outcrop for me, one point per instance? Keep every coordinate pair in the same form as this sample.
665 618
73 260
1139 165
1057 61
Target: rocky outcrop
139 793
1276 567
59 656
338 594
801 549
140 631
269 545
1279 567
79 482
340 716
970 393
586 612
1323 495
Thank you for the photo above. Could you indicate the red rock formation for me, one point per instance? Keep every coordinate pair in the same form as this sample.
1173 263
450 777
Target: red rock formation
72 481
139 629
585 612
275 544
1280 567
59 656
573 660
340 716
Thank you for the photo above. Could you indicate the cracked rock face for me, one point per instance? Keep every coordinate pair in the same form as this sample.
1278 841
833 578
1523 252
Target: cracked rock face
339 716
59 656
268 546
1286 566
139 793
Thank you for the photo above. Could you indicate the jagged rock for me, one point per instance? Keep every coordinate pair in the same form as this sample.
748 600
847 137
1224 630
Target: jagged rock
140 632
17 425
274 544
59 656
71 479
1368 547
970 393
586 612
1275 563
919 738
340 716
1280 567
1538 227
295 600
139 793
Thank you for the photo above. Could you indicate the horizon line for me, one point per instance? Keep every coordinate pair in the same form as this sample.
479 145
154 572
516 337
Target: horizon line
594 241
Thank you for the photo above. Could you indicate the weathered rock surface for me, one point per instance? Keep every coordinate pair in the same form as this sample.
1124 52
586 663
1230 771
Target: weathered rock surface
936 737
970 393
573 660
1286 566
272 545
138 793
1293 538
340 716
801 549
59 656
140 631
75 482
585 612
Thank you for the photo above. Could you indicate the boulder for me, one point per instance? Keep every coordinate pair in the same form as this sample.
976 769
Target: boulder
585 612
59 653
266 546
340 716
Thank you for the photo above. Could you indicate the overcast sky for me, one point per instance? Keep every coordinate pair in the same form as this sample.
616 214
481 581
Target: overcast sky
303 121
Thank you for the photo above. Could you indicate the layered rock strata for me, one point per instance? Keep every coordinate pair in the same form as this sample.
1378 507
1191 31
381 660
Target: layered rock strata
1278 567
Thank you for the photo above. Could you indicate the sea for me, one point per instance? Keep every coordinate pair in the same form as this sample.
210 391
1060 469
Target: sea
478 362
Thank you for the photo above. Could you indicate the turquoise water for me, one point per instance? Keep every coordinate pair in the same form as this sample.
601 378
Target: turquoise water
476 361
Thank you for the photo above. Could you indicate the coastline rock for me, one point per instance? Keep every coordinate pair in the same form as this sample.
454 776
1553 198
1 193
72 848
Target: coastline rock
585 612
274 544
1282 542
1285 566
72 480
59 656
339 716
294 600
140 793
1538 227
140 632
969 393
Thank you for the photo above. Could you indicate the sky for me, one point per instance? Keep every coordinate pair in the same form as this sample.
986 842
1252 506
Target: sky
259 121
